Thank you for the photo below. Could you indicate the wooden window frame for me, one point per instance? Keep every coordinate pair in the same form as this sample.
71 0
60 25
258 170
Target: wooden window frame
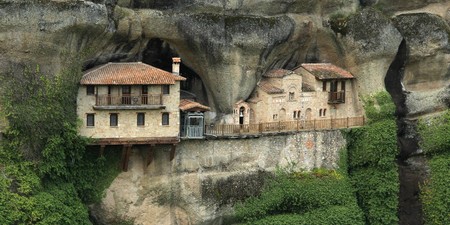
165 119
140 122
92 115
90 90
165 89
111 121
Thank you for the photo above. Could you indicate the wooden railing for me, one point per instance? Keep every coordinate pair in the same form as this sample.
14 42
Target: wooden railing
336 97
285 126
103 100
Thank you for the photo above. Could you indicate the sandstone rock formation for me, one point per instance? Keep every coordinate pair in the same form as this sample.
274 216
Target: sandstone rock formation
401 46
206 178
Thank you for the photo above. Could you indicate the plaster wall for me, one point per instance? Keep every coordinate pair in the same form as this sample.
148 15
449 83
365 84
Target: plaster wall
127 119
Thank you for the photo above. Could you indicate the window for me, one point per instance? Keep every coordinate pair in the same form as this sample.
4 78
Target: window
165 89
113 119
90 120
291 96
90 90
324 86
141 119
165 119
275 116
333 86
324 112
144 89
320 112
126 90
343 85
296 114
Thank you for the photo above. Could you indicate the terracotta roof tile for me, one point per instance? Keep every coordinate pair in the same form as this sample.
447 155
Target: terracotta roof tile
188 105
269 88
325 71
278 73
128 74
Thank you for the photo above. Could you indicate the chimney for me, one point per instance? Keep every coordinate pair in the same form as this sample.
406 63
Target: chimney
176 65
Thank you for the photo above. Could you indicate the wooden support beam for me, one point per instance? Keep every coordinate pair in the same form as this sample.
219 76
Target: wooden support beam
126 152
172 152
149 155
102 150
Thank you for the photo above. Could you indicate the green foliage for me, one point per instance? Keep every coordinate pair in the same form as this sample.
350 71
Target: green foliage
379 107
295 198
371 158
338 23
436 191
333 215
434 133
46 172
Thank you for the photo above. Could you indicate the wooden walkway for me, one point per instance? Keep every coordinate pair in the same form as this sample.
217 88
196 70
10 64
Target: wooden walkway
223 130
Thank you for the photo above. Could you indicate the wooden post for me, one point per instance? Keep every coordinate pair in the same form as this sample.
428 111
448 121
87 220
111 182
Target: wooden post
347 122
126 151
149 157
172 152
102 149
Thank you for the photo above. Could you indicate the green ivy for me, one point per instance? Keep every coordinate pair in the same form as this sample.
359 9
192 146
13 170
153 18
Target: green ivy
372 151
295 198
435 192
46 174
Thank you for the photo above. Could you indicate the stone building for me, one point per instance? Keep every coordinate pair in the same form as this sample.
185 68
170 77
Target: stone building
132 103
312 91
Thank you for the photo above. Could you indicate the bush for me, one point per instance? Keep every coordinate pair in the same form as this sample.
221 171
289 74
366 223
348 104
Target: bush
298 197
372 151
436 191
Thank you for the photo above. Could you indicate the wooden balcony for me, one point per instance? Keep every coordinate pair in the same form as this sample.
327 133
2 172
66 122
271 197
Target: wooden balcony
224 130
109 102
336 97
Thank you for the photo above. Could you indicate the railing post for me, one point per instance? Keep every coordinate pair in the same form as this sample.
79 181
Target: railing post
298 121
314 124
279 126
347 123
331 123
223 127
363 120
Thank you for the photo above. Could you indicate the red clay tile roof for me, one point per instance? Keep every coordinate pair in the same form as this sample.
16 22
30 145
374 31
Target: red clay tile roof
278 73
132 73
324 71
269 88
188 105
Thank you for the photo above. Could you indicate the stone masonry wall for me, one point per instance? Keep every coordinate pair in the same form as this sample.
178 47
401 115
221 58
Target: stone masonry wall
206 177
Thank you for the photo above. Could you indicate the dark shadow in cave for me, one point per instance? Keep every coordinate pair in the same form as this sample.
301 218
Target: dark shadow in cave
410 174
159 53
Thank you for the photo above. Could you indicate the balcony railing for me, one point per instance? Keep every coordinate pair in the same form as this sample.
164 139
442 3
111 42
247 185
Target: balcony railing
336 97
123 100
283 126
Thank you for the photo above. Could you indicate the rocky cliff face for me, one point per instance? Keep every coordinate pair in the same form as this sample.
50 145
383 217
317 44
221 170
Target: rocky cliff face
230 44
206 178
399 46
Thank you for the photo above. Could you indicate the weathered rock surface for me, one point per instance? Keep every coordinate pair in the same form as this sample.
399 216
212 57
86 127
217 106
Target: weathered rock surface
206 178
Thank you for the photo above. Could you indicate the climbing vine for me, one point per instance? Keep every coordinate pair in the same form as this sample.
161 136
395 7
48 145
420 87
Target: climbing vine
435 192
47 176
372 150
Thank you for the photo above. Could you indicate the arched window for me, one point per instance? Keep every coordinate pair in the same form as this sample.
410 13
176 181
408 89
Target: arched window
324 112
320 112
